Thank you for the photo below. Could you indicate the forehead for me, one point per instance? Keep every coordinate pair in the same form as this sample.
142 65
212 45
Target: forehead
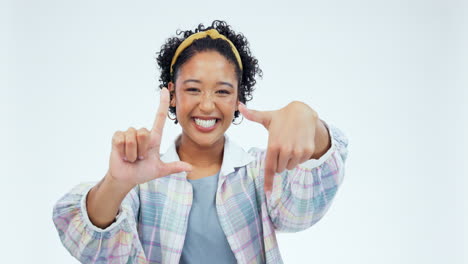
208 67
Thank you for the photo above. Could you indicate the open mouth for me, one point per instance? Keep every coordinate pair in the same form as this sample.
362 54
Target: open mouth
205 125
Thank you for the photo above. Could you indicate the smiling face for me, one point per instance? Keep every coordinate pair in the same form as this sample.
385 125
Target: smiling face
205 97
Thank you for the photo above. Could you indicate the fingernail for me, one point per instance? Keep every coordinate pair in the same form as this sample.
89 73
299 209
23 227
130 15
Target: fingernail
125 158
268 194
140 157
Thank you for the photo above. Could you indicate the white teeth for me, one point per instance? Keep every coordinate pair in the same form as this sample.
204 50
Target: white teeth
205 123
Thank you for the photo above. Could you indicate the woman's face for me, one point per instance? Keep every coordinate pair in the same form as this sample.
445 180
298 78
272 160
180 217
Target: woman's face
205 97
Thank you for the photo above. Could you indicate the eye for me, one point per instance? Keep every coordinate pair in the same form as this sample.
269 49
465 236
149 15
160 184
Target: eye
192 90
223 92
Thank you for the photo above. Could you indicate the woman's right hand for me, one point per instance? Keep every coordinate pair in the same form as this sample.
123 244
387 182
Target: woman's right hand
135 157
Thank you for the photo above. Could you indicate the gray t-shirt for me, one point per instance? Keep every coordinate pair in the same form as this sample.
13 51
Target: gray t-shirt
205 241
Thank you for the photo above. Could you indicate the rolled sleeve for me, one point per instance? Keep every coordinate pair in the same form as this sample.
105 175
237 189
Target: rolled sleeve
301 196
90 244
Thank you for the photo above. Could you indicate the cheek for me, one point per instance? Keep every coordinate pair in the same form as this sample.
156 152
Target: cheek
231 100
229 106
183 104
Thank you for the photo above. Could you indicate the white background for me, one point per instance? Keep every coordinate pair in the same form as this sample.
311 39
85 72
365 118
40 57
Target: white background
391 74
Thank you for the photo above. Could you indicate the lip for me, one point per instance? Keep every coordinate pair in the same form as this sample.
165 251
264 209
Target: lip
205 129
206 117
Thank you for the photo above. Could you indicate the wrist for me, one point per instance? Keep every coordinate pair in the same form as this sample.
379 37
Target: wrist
117 185
322 140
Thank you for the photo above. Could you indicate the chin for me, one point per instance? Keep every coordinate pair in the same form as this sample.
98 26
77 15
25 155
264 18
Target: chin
207 140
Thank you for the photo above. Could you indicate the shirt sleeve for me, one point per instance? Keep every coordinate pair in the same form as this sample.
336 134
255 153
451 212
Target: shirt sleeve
301 196
118 243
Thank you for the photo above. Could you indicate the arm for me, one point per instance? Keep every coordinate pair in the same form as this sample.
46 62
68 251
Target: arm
301 196
322 139
104 200
99 225
91 244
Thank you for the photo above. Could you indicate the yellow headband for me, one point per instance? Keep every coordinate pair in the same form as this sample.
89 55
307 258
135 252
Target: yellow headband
214 34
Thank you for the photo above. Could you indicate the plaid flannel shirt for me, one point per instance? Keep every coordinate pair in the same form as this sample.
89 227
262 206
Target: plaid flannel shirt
152 221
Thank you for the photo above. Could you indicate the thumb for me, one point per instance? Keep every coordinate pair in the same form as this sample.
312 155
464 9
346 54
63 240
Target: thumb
262 117
175 167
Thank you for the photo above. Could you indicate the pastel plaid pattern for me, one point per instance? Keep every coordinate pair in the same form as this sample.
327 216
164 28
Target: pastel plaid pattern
152 220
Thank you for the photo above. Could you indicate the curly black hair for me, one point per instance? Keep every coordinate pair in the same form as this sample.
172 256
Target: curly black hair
246 76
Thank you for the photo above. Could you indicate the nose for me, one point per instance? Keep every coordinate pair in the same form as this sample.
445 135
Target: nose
207 104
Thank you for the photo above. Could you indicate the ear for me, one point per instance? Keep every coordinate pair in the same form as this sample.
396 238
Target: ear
171 88
237 103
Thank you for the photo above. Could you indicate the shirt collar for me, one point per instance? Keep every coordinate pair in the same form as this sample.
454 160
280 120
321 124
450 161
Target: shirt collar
234 156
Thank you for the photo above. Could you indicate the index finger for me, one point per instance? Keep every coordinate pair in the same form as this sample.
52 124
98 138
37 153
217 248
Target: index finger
160 118
270 168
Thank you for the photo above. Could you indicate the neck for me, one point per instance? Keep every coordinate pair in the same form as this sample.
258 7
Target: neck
200 156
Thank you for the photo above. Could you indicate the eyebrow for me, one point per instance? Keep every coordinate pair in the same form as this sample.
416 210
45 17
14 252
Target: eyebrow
220 83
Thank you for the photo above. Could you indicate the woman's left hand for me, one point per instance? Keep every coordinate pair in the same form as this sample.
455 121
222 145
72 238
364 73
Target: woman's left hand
295 135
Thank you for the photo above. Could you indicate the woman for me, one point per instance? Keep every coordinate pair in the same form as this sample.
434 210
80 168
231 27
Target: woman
205 200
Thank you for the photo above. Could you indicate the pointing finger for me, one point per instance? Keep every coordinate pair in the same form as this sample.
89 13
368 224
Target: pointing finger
262 117
160 118
270 168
